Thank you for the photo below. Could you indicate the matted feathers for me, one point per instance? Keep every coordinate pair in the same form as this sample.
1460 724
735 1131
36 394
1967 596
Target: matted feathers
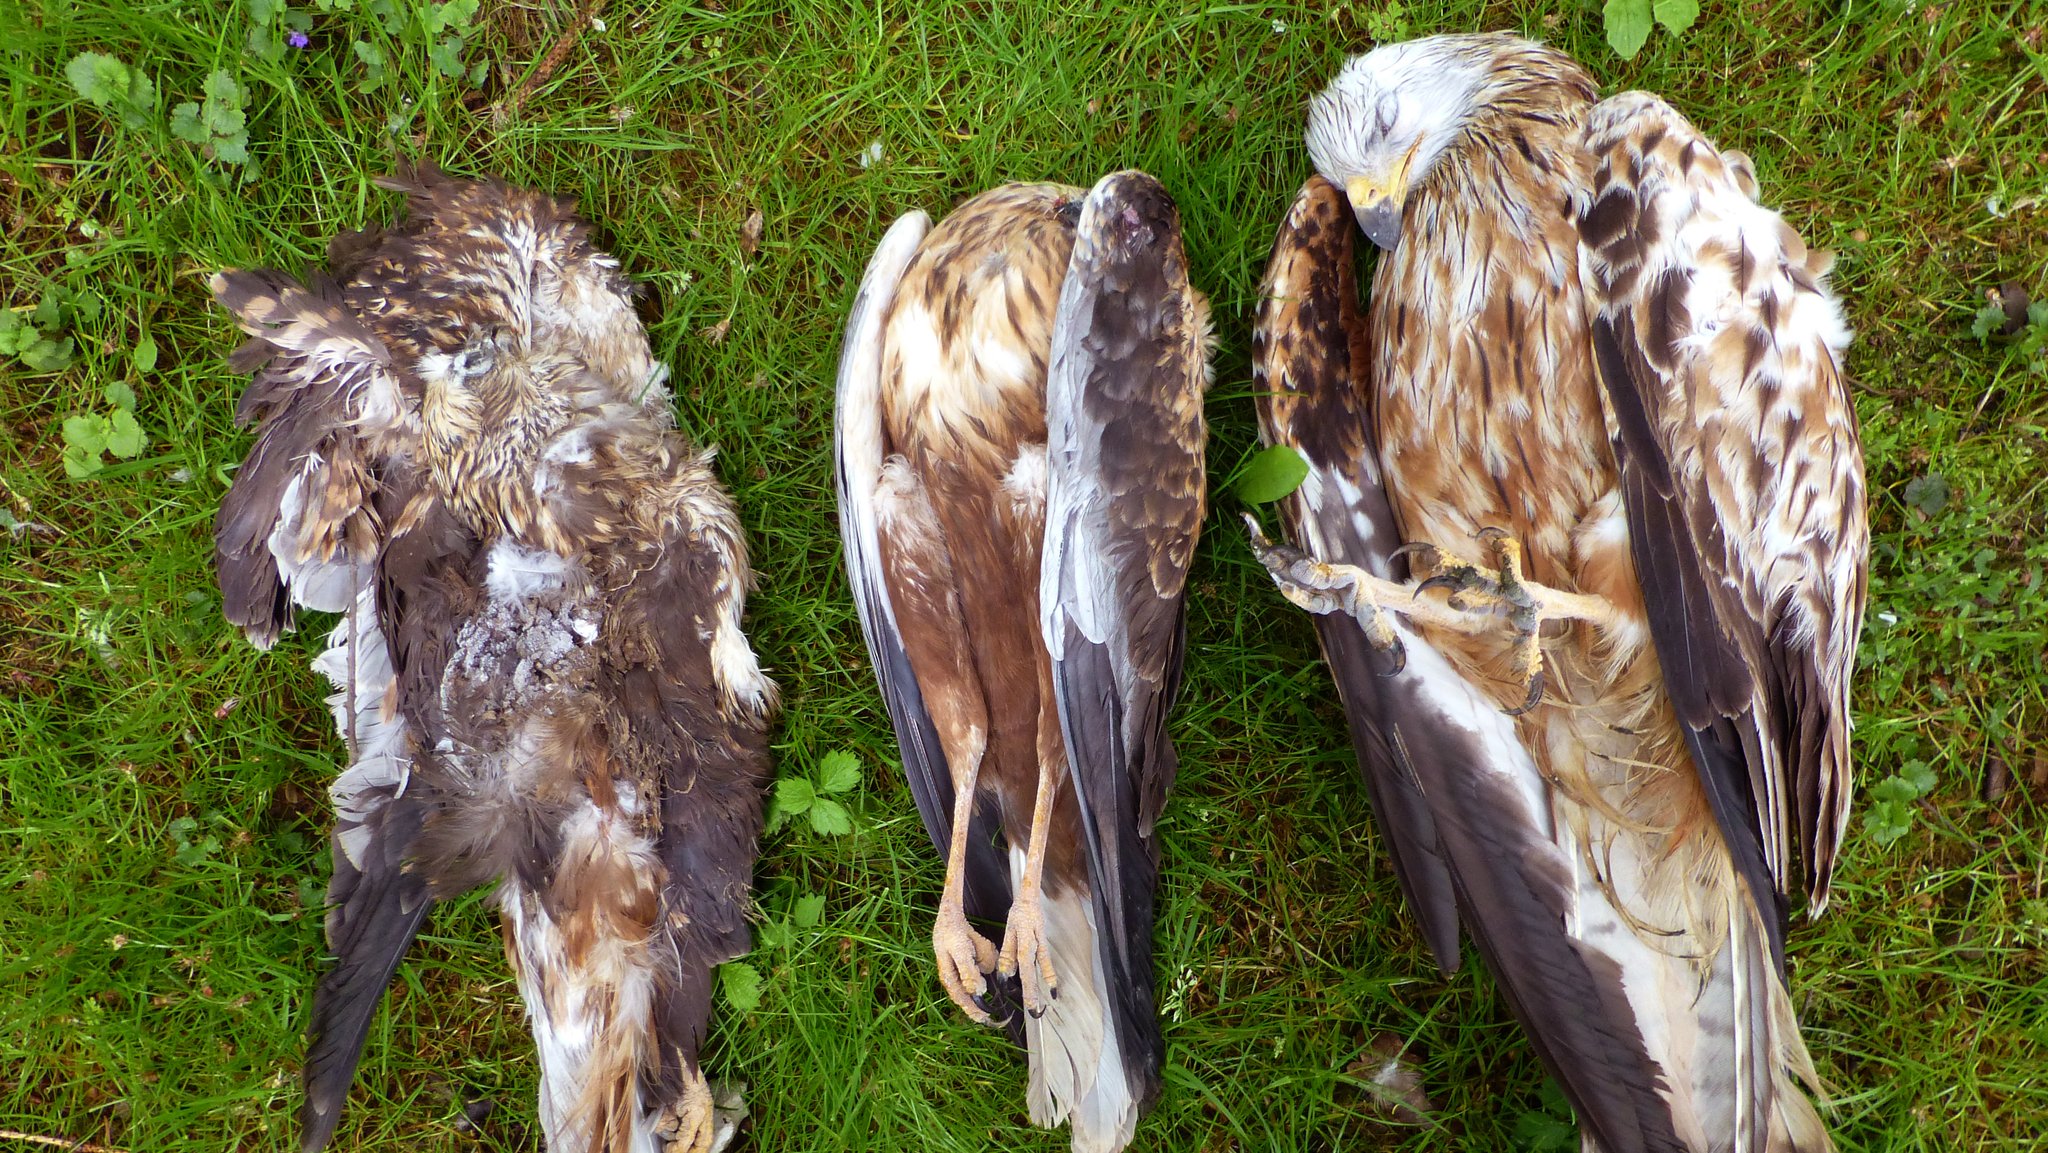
463 442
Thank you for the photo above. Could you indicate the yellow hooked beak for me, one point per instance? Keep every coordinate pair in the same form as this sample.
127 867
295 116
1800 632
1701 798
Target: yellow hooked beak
1376 200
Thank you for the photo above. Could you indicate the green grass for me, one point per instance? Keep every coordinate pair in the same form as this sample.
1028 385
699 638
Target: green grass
161 807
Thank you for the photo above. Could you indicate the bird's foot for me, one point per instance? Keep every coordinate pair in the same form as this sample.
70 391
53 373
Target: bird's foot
690 1123
1330 588
964 957
1502 591
1028 954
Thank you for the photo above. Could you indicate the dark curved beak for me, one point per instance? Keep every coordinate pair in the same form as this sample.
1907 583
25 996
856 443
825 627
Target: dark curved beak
1381 221
1376 200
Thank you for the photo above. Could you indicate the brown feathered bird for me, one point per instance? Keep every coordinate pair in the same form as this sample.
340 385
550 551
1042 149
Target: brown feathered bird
1592 360
463 443
1020 444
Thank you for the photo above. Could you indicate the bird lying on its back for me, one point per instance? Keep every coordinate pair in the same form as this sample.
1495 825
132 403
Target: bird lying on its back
463 442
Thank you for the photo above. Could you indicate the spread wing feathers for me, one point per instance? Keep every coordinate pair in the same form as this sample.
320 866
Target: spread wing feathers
297 527
870 492
1310 358
1124 504
1459 798
1720 351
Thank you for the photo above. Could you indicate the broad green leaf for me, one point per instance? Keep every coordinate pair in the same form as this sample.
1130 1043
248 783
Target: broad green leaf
120 395
111 85
830 818
794 794
741 984
88 431
807 911
99 78
186 125
838 772
49 313
774 934
1677 15
145 361
447 57
1272 474
1887 821
48 355
1919 776
1893 790
125 439
264 11
79 464
1628 26
1929 494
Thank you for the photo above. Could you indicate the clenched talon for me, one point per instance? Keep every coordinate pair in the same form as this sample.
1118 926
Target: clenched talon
964 956
1026 953
690 1124
1501 589
1326 588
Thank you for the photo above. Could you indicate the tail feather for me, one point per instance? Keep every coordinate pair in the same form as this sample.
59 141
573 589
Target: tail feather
585 969
1078 1054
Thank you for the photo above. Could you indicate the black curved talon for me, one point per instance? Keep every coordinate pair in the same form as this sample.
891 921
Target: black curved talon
1534 698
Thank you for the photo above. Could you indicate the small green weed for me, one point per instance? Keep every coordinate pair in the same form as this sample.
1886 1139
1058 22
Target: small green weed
441 31
113 87
275 27
1888 804
33 338
2021 326
88 436
218 126
838 772
740 984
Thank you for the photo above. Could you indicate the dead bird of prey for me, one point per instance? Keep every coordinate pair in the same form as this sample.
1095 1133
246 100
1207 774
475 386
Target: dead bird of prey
464 445
1020 447
1599 386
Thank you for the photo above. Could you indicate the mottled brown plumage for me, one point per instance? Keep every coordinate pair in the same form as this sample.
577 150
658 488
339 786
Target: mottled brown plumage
464 443
1020 480
1594 362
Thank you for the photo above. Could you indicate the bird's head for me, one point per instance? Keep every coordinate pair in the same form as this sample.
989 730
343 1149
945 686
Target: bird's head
495 398
1381 125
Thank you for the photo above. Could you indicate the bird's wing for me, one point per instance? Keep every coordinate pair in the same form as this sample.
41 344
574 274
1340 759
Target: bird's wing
1124 504
1719 349
686 709
384 659
1310 365
860 449
297 525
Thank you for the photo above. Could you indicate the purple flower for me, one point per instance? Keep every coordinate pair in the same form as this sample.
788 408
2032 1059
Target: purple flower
297 40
